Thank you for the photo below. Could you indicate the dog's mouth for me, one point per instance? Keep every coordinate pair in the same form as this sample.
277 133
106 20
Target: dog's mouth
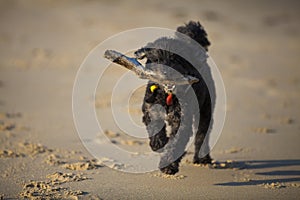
169 88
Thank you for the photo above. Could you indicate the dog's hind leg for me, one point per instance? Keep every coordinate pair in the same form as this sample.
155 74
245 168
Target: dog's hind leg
202 149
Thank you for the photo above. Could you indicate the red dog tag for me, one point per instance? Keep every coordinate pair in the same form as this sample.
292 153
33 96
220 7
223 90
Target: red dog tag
169 99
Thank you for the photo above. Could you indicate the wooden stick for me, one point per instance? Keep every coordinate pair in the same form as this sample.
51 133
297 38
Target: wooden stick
135 66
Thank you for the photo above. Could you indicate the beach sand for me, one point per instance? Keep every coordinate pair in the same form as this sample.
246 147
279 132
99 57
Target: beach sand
256 46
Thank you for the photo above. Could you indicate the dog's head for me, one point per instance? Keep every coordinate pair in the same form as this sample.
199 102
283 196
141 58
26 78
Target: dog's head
170 66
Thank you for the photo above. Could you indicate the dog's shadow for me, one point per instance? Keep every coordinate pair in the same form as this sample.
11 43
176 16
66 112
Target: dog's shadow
261 164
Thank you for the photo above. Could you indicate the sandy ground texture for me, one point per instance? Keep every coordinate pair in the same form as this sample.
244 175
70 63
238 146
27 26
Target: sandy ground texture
256 45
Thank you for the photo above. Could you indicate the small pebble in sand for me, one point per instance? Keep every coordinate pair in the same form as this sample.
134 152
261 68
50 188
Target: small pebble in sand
282 120
82 158
276 185
114 141
54 159
228 164
10 154
202 165
217 165
297 185
6 126
263 130
223 165
116 166
246 179
111 134
75 152
286 120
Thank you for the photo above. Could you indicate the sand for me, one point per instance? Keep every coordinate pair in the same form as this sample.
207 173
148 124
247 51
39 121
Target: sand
42 43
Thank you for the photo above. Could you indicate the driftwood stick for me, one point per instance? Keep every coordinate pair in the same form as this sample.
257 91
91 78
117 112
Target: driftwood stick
135 66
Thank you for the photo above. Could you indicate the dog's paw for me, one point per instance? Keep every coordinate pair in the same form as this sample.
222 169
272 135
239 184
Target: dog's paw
170 169
158 141
205 160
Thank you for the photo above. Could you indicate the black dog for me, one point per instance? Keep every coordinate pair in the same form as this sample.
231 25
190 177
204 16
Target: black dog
177 115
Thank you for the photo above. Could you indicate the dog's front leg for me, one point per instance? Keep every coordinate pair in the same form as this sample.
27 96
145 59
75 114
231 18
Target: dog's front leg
180 121
175 150
154 120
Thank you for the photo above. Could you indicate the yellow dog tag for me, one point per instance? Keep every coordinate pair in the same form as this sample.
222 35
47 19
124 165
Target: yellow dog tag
153 88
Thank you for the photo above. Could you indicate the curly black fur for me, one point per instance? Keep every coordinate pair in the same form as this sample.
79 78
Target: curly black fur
195 31
176 114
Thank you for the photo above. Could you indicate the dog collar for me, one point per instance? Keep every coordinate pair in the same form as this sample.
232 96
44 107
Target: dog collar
169 99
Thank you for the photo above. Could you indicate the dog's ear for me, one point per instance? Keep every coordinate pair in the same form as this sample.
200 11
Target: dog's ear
195 31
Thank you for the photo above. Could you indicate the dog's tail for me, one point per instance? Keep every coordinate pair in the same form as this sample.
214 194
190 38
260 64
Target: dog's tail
196 31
